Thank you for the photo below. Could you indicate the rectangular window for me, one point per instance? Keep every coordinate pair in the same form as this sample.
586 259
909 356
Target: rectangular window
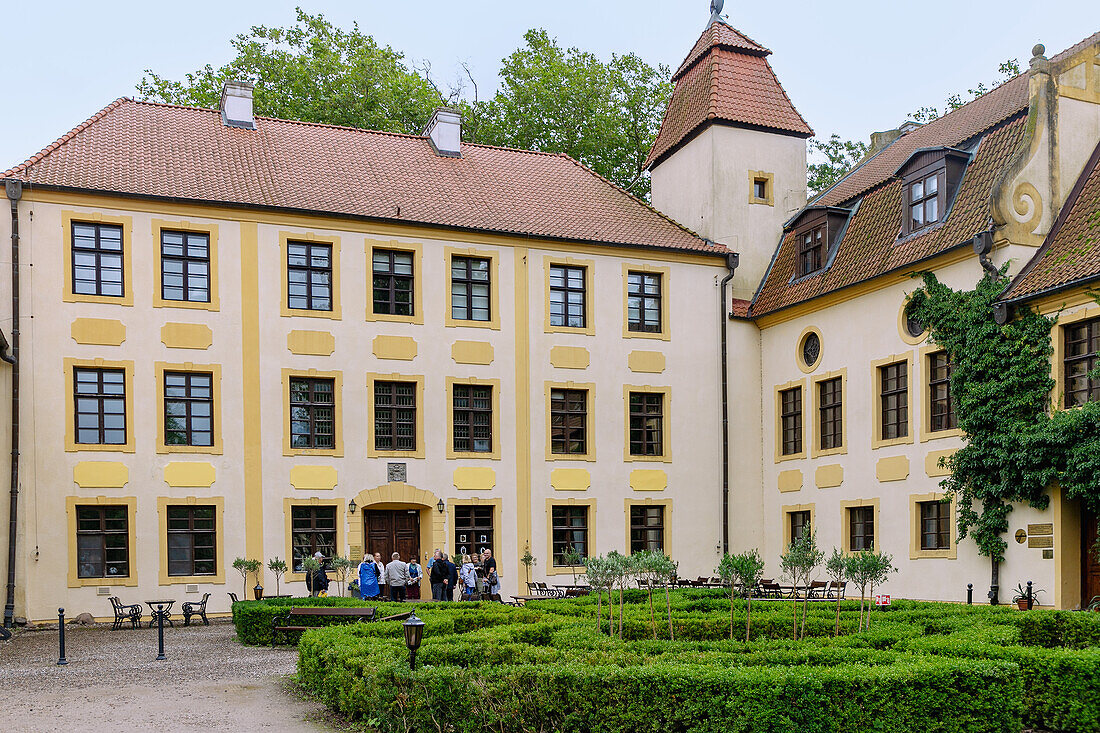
1082 356
811 251
861 528
567 296
191 541
470 289
473 530
643 302
800 524
830 395
312 413
570 531
393 282
395 416
924 201
894 400
313 530
100 403
97 260
647 529
473 418
185 266
647 424
790 420
309 276
760 188
568 421
935 525
941 408
102 542
188 408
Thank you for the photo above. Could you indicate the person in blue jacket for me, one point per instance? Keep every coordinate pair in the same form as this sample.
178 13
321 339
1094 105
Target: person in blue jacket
368 578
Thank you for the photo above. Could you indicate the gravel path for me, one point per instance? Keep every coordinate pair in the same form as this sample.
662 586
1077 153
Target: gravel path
113 681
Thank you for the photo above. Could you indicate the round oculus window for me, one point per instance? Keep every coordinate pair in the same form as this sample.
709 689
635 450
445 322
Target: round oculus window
811 349
913 326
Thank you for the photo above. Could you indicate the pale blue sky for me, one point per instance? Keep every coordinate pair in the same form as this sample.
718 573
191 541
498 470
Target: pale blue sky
850 68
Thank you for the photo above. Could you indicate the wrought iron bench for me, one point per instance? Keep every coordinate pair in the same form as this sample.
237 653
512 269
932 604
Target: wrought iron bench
196 609
124 613
282 623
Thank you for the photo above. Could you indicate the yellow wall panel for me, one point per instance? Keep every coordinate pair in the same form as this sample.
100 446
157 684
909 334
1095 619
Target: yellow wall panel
569 357
186 335
827 477
313 478
472 352
932 462
894 468
98 331
648 479
101 474
648 362
790 480
315 343
395 347
189 473
570 479
472 478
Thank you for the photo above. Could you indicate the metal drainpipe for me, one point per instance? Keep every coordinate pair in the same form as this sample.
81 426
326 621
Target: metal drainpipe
732 261
14 190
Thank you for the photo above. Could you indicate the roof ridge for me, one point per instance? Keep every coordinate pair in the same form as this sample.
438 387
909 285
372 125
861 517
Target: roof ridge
37 157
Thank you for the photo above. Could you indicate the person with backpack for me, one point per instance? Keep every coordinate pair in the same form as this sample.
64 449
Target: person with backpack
439 576
368 578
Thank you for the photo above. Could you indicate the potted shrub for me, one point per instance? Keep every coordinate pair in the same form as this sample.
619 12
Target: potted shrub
1019 596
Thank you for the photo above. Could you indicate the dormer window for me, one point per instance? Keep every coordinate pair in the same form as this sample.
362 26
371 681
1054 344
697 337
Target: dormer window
929 181
816 231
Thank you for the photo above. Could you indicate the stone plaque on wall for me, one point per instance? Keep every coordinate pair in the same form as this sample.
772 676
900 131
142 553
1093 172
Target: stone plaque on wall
356 552
395 473
1040 529
1040 542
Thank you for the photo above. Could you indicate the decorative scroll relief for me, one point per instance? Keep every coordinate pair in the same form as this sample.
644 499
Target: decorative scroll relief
1027 205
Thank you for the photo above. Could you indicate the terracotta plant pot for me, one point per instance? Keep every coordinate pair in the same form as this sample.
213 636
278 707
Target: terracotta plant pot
1022 604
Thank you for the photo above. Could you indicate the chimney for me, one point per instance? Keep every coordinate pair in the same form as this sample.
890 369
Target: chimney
236 105
444 131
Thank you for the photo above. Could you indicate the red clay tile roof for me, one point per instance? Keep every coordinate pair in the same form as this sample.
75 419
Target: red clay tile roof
156 150
870 245
739 308
726 78
1071 253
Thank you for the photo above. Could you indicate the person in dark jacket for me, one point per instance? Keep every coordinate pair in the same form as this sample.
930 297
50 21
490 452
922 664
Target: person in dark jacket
438 576
452 576
317 581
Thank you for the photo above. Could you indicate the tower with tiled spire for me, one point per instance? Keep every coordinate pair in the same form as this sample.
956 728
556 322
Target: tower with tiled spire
730 159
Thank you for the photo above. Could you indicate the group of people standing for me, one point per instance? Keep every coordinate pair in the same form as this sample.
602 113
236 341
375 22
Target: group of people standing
476 576
402 579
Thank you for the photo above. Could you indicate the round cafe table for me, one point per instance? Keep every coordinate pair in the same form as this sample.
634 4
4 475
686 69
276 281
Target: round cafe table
167 612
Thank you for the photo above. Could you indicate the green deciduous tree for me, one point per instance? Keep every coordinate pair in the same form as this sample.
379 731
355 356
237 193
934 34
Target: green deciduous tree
277 567
835 157
836 568
602 574
740 574
246 568
342 566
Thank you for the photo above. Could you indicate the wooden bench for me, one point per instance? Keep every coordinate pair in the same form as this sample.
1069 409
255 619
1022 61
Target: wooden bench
281 624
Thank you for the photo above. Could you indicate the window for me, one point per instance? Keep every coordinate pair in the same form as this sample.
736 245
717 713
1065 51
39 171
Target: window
1082 356
188 408
643 302
97 260
395 416
935 525
191 541
924 201
393 282
313 530
790 420
100 404
811 251
102 542
647 529
831 413
185 266
570 531
647 424
567 297
568 420
861 528
312 410
473 418
760 188
473 529
309 276
894 400
800 524
470 299
941 409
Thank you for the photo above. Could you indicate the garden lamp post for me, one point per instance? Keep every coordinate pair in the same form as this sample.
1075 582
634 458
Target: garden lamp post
414 634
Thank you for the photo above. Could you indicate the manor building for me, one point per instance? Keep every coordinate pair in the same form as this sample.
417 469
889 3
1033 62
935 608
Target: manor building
247 337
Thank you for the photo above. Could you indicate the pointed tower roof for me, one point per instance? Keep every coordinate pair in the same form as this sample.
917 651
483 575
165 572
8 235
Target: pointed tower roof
726 79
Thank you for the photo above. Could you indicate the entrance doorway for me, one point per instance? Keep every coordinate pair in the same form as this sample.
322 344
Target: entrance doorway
390 531
1090 565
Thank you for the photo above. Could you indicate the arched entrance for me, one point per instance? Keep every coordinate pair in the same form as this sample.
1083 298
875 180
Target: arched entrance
396 517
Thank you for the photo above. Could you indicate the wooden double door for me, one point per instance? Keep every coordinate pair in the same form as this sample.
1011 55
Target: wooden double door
390 531
1090 565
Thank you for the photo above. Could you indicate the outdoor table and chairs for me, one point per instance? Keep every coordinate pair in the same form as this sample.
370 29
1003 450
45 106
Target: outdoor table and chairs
574 591
166 612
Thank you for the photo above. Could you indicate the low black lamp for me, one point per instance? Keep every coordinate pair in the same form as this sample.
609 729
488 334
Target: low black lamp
441 506
352 507
414 634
